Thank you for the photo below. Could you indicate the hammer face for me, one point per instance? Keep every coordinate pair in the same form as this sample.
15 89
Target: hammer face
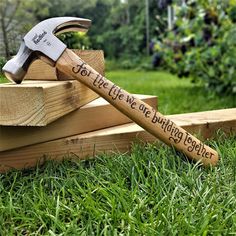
41 41
16 68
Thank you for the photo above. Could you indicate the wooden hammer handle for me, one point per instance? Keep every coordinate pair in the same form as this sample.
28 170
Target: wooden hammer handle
137 110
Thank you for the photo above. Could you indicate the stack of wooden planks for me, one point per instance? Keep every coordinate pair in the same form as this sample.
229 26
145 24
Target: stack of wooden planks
44 118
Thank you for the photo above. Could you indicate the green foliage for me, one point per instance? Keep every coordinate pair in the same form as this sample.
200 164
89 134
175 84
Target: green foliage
122 35
202 45
117 28
3 79
16 18
2 63
76 40
127 63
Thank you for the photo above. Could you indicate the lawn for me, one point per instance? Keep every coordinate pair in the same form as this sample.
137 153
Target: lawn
3 79
152 191
175 95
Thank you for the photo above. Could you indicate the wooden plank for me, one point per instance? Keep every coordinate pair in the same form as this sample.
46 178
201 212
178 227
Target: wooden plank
96 115
117 138
40 70
38 103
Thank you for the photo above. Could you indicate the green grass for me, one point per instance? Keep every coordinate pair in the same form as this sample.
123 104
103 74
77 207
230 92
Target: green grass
3 79
174 95
152 191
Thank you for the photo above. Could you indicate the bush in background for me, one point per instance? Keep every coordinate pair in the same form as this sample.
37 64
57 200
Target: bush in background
202 44
76 40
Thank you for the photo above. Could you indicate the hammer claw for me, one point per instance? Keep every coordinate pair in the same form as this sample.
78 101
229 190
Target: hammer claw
41 42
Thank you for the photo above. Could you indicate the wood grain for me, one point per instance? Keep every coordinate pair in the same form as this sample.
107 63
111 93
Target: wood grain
119 138
38 103
141 113
96 115
40 70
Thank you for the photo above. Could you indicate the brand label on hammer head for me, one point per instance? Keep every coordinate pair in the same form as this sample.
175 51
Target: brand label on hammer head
38 37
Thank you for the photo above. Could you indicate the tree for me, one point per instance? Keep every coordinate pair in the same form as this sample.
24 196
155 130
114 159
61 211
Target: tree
118 27
16 18
7 15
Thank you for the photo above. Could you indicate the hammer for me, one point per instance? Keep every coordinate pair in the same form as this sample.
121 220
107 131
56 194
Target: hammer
41 42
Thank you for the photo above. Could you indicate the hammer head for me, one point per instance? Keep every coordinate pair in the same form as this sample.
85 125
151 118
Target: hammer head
41 42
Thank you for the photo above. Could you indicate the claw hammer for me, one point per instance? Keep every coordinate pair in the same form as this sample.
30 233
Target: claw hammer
41 42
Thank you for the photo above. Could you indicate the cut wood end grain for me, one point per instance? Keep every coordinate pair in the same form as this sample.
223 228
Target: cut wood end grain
40 70
38 103
92 116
